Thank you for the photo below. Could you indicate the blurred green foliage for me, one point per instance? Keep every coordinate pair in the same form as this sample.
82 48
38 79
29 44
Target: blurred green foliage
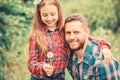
15 20
100 13
15 23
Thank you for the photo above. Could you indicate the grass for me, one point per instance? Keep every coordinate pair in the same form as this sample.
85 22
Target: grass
67 75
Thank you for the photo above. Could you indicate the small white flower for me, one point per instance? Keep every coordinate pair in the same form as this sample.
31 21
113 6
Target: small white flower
50 55
36 2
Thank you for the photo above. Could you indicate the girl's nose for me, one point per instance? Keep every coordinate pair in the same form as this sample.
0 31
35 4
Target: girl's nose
49 18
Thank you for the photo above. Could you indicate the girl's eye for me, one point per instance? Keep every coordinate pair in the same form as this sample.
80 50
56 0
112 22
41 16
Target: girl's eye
53 14
44 14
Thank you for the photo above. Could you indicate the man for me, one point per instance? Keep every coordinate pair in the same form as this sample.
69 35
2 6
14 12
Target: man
84 63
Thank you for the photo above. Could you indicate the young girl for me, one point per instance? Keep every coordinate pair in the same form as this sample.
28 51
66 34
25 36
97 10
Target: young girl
47 53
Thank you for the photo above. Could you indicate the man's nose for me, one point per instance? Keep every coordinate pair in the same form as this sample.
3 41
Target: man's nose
72 36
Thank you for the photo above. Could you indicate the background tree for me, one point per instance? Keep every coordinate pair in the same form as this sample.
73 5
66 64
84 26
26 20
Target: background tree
116 7
15 20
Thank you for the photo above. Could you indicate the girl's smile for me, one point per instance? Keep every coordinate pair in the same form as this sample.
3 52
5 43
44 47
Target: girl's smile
49 16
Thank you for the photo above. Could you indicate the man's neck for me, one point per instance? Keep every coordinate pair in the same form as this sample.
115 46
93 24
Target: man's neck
80 53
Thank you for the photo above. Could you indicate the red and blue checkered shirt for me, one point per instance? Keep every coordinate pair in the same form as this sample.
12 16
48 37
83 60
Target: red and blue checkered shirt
55 45
91 67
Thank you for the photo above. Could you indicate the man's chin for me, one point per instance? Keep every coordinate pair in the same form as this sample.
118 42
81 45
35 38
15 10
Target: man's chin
77 48
74 49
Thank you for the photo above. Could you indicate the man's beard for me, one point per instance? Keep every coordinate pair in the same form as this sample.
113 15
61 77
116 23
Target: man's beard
81 45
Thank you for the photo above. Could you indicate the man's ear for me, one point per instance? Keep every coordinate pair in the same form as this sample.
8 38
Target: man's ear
87 30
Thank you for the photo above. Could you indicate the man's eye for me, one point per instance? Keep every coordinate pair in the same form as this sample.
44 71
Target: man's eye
67 33
76 32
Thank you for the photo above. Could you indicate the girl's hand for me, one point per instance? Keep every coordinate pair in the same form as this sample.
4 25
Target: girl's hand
48 69
106 53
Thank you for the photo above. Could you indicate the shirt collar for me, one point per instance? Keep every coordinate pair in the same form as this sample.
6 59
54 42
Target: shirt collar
87 55
47 30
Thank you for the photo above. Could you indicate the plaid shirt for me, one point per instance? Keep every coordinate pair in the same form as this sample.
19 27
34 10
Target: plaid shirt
55 45
91 67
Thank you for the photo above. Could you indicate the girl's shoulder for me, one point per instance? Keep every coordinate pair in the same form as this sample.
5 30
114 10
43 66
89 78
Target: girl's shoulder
33 36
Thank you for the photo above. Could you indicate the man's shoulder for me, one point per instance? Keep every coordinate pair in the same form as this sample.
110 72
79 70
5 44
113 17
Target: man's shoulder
91 53
101 65
107 71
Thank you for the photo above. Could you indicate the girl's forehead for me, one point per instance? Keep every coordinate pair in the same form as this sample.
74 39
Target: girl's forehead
49 7
49 2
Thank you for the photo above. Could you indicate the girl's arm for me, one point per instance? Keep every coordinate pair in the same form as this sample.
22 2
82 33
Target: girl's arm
34 63
104 48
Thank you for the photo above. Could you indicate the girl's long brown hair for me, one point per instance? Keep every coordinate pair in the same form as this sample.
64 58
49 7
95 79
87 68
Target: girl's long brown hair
37 25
